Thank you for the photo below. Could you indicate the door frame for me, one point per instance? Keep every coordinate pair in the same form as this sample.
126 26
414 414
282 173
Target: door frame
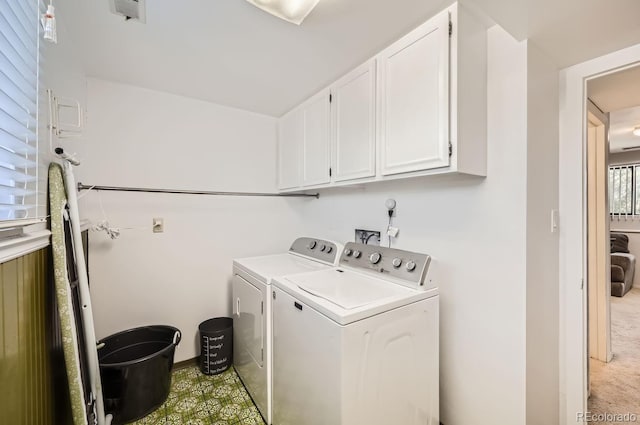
572 204
598 251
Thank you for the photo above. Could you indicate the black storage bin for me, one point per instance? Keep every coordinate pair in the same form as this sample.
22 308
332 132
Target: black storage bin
135 367
216 345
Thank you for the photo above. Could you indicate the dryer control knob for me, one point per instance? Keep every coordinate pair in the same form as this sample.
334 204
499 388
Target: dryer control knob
375 258
323 247
411 266
397 262
356 254
312 244
348 252
329 249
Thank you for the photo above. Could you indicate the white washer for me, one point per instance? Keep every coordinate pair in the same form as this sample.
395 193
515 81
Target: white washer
357 344
252 309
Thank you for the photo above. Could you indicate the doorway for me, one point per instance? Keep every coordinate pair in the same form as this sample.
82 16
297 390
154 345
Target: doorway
613 244
574 387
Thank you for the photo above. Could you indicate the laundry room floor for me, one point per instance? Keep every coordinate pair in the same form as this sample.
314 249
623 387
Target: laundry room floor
198 399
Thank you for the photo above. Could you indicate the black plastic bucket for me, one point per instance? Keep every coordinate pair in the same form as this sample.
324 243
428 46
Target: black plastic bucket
135 367
216 345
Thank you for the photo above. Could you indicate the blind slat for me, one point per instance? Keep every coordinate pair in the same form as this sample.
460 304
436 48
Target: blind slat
16 33
18 89
9 51
20 222
16 191
15 110
17 161
11 142
16 207
26 83
16 175
26 13
18 129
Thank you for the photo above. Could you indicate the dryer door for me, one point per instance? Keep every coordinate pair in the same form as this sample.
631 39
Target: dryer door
249 333
248 323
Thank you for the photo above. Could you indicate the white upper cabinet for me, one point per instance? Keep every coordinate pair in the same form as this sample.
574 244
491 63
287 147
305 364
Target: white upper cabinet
290 136
353 124
316 155
417 108
413 87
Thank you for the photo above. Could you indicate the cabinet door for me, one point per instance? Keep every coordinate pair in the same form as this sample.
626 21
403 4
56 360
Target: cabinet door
316 159
353 124
290 137
414 99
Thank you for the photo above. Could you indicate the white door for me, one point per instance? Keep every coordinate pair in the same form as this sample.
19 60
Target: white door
316 159
290 138
248 340
353 124
413 87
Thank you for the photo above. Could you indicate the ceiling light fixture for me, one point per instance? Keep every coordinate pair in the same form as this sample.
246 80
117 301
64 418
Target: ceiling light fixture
294 11
636 131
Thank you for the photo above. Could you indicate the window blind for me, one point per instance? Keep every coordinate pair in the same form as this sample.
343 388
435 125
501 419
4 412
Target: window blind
623 191
21 191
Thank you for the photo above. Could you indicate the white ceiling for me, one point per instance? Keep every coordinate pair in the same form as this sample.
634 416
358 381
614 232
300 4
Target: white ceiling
231 53
619 94
621 125
613 92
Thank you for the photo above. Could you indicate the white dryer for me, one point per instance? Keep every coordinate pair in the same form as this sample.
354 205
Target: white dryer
357 344
252 309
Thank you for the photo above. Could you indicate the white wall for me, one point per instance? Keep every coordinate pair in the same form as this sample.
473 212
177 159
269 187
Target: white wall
63 73
542 245
475 230
138 137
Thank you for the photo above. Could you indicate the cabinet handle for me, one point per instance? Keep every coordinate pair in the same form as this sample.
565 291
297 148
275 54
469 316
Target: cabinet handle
238 306
297 305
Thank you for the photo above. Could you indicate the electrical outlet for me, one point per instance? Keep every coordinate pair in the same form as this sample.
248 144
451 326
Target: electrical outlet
158 225
368 237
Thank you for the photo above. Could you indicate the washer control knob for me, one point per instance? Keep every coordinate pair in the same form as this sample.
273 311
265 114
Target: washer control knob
348 252
411 266
375 258
356 254
323 247
397 262
329 249
312 244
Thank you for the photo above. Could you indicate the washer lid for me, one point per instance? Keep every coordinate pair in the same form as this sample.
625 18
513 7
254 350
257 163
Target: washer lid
267 267
348 290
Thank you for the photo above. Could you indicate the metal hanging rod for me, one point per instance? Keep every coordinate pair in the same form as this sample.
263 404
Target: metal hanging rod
195 192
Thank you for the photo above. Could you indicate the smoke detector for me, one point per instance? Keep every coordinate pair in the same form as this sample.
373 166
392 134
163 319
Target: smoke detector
130 9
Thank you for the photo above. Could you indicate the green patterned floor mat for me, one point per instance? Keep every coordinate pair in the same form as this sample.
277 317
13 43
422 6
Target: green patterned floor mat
198 399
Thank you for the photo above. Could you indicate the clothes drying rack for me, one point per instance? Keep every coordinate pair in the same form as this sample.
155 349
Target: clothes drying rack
82 186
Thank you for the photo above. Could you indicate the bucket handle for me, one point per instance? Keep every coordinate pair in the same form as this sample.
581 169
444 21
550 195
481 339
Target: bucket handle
177 337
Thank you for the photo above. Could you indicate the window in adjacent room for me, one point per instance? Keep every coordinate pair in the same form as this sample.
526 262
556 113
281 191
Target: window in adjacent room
624 186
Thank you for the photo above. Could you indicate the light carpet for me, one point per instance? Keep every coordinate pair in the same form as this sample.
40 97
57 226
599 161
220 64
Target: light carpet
615 386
